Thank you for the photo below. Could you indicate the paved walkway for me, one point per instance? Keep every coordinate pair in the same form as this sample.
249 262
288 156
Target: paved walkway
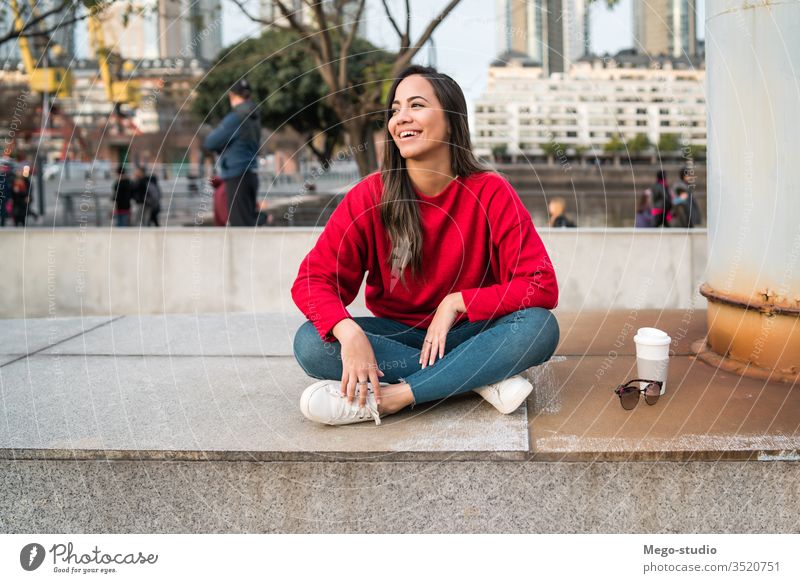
227 387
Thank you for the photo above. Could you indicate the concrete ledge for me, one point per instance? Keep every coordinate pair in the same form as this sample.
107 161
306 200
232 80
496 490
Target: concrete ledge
215 387
178 424
111 272
468 497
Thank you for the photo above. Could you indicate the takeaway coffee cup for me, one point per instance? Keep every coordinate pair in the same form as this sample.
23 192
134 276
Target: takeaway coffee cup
652 355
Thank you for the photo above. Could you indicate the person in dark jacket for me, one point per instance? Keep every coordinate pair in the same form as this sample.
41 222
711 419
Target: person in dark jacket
121 196
686 213
146 191
557 208
237 140
6 189
138 192
661 200
22 197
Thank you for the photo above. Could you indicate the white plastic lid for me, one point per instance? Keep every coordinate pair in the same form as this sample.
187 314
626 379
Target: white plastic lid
652 336
655 332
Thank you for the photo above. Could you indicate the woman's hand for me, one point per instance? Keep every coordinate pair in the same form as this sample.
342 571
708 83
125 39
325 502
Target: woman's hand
435 339
358 362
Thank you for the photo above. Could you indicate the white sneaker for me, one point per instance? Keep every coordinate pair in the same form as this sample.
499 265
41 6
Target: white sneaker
323 402
506 395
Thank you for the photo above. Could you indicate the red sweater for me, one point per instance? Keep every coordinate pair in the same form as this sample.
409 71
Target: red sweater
478 239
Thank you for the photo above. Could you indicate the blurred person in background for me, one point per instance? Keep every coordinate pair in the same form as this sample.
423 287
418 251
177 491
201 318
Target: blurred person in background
661 201
557 207
237 140
6 188
685 211
121 197
220 202
138 190
152 198
644 214
22 198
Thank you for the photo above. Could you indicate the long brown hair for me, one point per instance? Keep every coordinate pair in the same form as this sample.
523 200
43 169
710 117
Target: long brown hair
400 209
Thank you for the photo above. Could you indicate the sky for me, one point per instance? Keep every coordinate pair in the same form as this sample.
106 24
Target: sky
465 41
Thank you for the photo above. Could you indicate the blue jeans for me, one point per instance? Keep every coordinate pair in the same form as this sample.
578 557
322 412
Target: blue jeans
476 353
122 220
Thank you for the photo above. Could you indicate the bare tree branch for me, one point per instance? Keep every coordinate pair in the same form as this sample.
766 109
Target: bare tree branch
391 19
249 15
31 27
408 22
338 13
327 70
404 56
264 21
322 27
345 49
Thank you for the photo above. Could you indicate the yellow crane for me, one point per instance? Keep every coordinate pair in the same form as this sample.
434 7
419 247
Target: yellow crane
56 81
120 88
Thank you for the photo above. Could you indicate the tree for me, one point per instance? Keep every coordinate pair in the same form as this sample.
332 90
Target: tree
614 144
552 150
499 152
329 36
669 143
580 150
43 22
696 152
287 84
638 144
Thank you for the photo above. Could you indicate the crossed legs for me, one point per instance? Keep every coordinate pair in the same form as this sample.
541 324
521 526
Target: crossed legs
476 354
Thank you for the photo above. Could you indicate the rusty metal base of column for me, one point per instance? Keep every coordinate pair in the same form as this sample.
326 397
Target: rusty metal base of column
756 336
703 353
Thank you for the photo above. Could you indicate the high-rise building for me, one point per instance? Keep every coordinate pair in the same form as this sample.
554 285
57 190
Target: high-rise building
165 29
665 28
524 110
551 33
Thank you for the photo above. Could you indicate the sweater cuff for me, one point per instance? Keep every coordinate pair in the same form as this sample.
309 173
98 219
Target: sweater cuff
326 325
475 302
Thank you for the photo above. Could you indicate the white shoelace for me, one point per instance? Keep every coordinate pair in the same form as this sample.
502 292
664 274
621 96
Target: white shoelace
353 411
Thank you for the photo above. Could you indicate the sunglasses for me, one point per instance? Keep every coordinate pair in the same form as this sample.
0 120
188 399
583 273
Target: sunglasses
629 396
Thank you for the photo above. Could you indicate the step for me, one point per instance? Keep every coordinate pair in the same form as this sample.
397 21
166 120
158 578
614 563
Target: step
190 423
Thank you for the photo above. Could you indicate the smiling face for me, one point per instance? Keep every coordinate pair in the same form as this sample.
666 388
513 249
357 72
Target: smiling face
417 123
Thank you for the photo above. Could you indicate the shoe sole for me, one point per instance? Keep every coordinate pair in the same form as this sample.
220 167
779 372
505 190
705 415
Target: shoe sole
523 388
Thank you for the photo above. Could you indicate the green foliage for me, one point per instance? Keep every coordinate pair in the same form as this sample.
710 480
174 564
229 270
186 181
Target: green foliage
669 143
286 83
615 144
552 149
638 144
695 152
499 151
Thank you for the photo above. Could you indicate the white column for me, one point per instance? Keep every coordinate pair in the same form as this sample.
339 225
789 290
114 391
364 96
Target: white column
753 276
